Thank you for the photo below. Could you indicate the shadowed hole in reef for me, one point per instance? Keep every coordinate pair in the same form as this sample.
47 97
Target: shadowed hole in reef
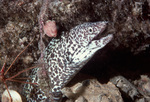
105 65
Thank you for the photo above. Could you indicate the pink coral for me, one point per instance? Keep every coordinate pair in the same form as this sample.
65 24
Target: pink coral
50 28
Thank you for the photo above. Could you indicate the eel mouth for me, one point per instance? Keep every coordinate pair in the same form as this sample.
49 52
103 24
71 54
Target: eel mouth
99 35
96 37
102 32
107 37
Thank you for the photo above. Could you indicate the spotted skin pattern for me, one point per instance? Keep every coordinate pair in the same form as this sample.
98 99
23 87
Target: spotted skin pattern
66 56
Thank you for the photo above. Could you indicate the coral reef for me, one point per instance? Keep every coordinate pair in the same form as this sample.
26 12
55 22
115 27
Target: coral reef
127 55
92 91
17 28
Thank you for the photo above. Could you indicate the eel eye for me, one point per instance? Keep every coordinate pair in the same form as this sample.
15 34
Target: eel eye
90 30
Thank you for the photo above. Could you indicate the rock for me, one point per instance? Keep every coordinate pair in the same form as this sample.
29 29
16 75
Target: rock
94 92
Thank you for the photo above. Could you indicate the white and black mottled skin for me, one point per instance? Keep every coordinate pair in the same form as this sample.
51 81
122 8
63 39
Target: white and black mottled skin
66 56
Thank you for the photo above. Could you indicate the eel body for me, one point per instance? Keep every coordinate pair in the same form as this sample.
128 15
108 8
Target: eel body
65 57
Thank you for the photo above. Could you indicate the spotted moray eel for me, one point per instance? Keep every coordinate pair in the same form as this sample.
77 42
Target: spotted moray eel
66 56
